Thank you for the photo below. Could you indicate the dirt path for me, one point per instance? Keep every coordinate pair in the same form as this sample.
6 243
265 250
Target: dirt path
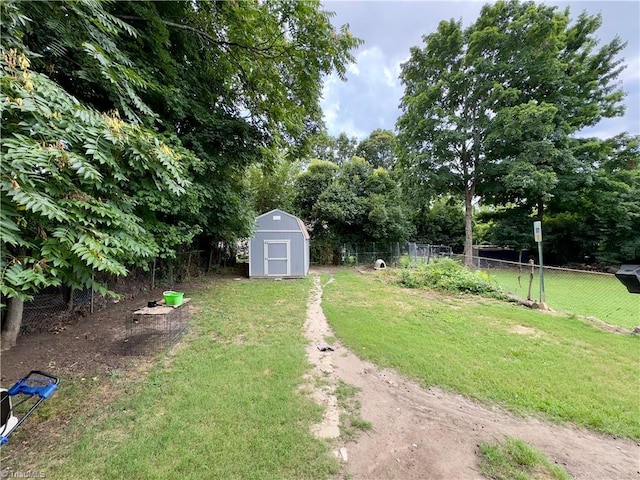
430 434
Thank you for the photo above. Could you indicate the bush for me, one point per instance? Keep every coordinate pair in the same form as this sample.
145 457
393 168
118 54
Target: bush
448 276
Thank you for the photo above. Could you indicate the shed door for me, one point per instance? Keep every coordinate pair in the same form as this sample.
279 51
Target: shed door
276 258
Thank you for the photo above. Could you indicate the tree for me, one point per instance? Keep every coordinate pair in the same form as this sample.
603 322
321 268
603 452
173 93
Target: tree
351 203
247 94
379 149
338 150
445 119
106 125
322 146
275 187
441 222
489 113
67 208
596 212
309 186
345 148
237 82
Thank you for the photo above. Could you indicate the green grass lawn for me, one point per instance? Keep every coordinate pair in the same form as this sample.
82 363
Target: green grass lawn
225 404
224 407
600 296
513 459
527 361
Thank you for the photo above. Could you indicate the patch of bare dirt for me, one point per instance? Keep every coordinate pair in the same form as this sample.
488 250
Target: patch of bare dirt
81 343
431 434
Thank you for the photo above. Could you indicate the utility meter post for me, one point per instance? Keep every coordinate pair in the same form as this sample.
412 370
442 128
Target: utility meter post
537 235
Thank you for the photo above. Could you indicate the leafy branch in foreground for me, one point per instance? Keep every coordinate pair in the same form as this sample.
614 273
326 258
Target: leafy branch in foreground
69 181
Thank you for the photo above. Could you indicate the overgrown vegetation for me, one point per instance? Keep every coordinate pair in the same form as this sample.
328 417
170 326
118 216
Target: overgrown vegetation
447 275
121 141
527 361
513 459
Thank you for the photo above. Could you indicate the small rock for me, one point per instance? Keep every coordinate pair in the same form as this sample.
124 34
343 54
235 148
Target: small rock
324 347
414 445
343 454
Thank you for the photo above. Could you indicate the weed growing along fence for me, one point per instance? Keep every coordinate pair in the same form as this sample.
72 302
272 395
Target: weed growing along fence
578 292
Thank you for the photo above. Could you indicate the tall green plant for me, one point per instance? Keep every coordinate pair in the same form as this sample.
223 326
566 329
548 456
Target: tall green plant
67 207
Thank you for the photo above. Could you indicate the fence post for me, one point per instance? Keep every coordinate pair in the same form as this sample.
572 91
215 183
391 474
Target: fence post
188 275
153 275
532 265
91 306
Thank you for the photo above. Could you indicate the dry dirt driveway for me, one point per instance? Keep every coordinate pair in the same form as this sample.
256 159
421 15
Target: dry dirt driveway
430 434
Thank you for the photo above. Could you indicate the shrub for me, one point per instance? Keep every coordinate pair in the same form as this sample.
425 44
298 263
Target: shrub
448 276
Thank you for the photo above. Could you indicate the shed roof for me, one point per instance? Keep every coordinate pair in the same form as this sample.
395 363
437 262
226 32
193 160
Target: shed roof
303 227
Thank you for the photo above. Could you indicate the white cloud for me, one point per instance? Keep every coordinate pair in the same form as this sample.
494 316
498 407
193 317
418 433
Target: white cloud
331 112
368 100
632 72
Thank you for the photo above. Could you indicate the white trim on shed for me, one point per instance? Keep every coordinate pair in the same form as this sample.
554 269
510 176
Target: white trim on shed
279 246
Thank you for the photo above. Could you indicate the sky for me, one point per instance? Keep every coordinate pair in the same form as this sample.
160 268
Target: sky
370 97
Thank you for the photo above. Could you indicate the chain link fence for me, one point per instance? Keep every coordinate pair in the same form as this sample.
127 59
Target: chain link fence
596 295
393 254
52 307
580 292
592 294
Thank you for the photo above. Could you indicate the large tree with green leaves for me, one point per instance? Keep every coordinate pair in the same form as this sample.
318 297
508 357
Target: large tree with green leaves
237 82
598 212
68 208
379 149
488 111
351 203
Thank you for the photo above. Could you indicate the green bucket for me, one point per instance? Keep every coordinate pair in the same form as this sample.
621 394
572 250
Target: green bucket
172 298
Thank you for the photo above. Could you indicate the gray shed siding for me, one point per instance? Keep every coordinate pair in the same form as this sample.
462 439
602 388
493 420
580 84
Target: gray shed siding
279 247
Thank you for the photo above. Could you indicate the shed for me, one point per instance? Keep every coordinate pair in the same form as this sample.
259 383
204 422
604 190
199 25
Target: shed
279 246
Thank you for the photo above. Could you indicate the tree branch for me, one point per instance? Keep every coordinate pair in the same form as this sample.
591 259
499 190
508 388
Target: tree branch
204 35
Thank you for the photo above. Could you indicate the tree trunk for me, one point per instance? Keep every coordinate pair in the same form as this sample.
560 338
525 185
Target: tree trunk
12 322
540 208
468 229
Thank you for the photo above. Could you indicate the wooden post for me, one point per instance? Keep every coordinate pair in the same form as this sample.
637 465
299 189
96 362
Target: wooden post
520 268
532 265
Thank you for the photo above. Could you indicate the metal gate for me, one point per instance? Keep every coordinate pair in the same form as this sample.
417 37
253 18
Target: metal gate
276 258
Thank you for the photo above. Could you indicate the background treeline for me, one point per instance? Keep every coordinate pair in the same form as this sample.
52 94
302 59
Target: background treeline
594 216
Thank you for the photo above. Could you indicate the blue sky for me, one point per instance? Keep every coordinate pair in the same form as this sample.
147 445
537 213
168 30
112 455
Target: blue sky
370 98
